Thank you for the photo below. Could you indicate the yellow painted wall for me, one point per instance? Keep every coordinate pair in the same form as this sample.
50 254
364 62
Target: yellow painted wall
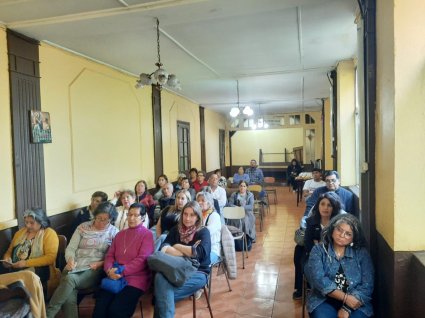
247 143
7 214
400 124
176 108
101 129
213 123
346 122
328 141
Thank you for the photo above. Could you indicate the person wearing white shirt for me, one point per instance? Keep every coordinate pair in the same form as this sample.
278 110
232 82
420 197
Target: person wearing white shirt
217 192
313 184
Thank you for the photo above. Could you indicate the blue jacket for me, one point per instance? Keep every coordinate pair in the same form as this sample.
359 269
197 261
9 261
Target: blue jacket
347 199
322 266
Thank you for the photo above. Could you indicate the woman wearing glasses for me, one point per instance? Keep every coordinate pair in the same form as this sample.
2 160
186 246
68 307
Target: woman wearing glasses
340 272
84 260
130 248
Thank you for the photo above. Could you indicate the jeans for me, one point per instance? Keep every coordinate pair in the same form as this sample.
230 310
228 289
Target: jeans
326 310
166 294
121 305
66 293
158 242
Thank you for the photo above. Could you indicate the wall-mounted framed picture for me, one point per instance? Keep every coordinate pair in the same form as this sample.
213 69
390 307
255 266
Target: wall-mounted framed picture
41 130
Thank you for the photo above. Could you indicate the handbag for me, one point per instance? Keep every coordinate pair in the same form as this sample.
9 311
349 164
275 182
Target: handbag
299 236
114 285
176 269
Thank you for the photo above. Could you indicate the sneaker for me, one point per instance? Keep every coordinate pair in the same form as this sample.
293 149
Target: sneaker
297 295
198 294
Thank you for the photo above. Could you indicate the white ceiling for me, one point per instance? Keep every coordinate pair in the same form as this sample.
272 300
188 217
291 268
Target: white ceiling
279 50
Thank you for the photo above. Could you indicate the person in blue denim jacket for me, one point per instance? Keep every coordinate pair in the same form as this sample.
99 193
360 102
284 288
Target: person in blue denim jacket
340 272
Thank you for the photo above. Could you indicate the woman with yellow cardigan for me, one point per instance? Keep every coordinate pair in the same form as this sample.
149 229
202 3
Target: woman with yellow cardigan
35 248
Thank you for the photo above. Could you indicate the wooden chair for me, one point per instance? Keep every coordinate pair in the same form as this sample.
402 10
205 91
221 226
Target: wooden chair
267 182
60 258
237 213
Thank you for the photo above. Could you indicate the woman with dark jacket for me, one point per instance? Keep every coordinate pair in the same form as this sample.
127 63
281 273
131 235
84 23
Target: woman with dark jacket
293 170
327 206
189 238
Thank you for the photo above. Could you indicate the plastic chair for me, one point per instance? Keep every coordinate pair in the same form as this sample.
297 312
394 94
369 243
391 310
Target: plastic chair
220 264
237 213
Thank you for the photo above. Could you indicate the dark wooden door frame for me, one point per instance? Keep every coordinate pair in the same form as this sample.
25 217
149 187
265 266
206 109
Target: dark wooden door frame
157 132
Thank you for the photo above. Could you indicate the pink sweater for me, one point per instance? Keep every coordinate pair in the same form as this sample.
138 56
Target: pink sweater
131 248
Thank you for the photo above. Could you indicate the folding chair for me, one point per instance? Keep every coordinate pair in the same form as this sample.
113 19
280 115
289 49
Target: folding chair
238 213
258 205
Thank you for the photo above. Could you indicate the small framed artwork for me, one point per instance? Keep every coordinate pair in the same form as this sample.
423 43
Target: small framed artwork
41 130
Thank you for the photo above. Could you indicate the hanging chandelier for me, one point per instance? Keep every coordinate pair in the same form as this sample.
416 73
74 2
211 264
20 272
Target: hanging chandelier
235 111
159 77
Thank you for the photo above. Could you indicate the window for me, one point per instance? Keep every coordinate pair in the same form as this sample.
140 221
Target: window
183 141
294 119
309 119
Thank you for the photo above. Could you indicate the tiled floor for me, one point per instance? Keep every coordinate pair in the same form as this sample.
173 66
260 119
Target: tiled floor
264 288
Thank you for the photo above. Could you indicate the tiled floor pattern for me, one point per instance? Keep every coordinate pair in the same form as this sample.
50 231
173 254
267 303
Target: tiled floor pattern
264 288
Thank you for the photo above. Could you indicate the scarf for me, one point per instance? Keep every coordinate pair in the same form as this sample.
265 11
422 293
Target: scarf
36 246
206 213
187 233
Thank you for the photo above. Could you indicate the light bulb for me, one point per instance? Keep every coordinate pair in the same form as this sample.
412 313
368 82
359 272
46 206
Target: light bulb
234 111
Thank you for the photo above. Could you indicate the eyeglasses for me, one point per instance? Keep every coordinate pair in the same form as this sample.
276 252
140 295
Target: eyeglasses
343 233
102 220
333 181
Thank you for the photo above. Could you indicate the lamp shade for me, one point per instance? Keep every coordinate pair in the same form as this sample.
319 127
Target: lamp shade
161 76
234 111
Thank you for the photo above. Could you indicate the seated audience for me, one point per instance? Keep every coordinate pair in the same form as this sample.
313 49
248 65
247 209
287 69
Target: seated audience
293 170
33 288
222 181
189 238
160 181
211 219
240 176
35 247
193 176
217 192
332 184
178 184
245 199
170 216
326 207
340 272
186 186
145 198
200 182
86 213
84 260
313 184
127 198
168 197
130 248
255 174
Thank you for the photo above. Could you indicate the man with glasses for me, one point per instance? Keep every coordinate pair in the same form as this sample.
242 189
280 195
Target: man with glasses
332 184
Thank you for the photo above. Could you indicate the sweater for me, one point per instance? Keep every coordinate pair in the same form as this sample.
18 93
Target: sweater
131 248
